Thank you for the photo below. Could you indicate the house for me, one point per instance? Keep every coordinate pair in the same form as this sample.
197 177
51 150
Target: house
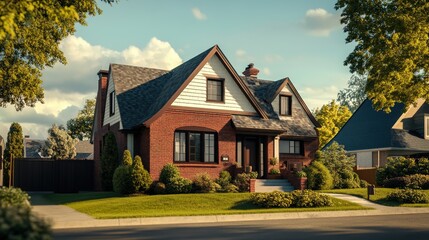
33 149
203 117
372 135
84 150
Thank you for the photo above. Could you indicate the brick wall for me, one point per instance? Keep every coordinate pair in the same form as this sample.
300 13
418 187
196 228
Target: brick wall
310 148
162 141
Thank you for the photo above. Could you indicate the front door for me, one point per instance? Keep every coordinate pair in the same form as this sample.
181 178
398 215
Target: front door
250 148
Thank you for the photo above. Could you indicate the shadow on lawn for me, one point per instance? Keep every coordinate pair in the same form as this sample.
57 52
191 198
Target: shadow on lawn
244 205
37 198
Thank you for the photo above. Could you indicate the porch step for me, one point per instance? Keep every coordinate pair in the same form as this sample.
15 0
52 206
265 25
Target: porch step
270 185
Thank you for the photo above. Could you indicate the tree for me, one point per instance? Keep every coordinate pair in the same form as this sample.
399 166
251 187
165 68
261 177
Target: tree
59 145
140 178
335 158
81 126
30 34
14 149
109 160
331 117
354 95
392 48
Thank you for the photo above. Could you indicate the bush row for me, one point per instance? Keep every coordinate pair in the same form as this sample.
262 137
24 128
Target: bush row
415 181
297 198
400 167
408 196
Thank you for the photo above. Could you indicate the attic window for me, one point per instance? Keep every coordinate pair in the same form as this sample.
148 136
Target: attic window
285 105
112 103
215 90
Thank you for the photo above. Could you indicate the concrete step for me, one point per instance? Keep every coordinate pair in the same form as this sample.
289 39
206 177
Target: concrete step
270 185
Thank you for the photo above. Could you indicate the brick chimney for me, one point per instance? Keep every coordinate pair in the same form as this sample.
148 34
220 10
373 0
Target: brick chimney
251 71
101 95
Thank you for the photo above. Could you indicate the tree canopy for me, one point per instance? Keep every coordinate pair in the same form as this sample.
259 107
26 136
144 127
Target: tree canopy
392 48
80 127
331 117
60 145
354 95
30 34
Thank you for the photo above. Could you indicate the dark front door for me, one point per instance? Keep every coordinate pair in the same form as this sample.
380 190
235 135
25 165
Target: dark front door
250 150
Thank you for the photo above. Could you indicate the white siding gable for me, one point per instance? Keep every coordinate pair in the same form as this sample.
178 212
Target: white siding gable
116 117
194 95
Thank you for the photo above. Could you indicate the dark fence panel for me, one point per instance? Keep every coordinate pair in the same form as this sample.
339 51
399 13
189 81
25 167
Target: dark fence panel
63 176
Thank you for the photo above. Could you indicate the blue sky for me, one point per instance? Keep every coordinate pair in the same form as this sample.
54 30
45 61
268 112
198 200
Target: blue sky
302 40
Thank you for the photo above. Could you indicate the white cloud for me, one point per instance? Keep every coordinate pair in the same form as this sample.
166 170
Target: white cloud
316 97
266 71
198 14
68 86
319 22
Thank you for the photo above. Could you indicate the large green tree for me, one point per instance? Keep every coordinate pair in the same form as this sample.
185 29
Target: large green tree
14 149
331 117
354 94
392 48
59 145
81 126
30 34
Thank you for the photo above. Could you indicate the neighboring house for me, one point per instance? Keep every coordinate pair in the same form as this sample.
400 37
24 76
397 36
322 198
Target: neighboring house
33 149
203 117
372 135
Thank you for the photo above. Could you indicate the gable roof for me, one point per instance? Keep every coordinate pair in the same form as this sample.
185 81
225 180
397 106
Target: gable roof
151 91
371 129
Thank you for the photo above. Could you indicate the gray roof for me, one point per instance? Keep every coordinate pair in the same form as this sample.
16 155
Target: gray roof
138 103
371 129
33 148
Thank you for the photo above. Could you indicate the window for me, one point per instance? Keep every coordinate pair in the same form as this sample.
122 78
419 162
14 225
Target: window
112 103
215 90
194 147
285 105
290 147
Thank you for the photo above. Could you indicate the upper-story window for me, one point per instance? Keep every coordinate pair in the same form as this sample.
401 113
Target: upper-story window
215 90
112 103
285 105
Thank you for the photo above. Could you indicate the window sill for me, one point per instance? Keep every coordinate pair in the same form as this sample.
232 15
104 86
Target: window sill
214 101
190 164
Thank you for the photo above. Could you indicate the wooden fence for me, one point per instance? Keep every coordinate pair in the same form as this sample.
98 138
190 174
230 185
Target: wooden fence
367 174
62 176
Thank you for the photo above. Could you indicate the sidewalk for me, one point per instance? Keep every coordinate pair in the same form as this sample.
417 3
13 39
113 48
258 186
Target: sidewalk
65 217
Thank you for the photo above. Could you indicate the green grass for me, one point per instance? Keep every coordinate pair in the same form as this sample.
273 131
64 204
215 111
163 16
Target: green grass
379 197
107 205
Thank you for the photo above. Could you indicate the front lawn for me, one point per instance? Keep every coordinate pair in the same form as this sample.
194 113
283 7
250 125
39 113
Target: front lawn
379 197
112 206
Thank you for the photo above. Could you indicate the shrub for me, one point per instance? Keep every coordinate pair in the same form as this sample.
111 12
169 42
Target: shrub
168 173
274 171
159 188
140 178
408 196
178 185
204 184
273 161
318 176
274 199
308 198
231 188
242 181
401 166
10 196
363 183
20 223
417 181
122 180
348 179
224 180
297 198
127 160
109 161
396 182
301 174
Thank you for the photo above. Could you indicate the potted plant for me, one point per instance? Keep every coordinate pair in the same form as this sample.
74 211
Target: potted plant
274 172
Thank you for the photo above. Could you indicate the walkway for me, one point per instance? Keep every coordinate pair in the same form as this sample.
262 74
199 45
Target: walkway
65 217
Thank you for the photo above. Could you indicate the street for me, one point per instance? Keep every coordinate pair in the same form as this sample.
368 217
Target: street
412 226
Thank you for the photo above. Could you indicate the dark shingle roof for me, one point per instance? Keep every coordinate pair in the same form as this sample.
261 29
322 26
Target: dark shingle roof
140 103
33 148
408 139
369 129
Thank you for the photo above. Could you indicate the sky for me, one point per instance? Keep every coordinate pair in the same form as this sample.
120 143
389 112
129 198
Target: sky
299 39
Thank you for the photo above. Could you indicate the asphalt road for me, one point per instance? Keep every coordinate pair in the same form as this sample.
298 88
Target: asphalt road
390 227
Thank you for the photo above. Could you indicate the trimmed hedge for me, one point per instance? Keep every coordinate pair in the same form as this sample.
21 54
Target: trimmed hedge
297 198
10 196
415 181
242 181
318 176
204 184
408 196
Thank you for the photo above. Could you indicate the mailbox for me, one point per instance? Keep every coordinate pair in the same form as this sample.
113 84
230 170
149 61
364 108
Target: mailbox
371 190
